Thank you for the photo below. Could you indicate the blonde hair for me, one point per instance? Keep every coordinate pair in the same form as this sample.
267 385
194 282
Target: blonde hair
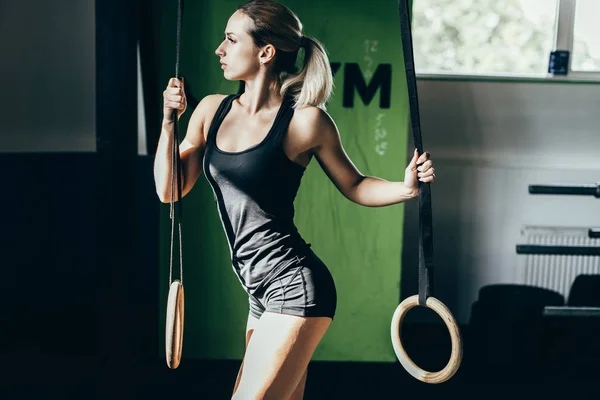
275 24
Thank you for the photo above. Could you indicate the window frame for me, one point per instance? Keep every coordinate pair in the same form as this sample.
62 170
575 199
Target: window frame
564 29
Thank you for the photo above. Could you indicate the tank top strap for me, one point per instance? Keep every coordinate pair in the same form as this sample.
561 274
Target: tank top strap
219 116
283 121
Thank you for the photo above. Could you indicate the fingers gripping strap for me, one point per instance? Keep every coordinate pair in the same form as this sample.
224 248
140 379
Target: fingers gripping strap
176 172
425 224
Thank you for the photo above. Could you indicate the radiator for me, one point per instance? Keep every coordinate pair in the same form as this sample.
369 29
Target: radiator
557 272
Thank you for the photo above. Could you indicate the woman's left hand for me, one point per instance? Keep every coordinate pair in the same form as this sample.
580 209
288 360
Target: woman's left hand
421 169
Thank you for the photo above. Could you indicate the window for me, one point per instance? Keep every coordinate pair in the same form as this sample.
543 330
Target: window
505 37
586 36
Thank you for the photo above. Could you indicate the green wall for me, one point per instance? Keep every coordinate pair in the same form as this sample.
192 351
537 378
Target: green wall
361 246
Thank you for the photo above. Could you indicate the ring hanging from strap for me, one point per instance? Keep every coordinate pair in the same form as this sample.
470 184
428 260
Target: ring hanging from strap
174 325
455 357
175 302
425 271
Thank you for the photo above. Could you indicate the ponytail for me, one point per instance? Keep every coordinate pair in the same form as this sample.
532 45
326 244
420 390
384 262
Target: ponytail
313 85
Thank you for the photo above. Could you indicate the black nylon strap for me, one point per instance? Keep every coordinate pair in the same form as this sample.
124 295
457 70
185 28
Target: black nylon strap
425 224
175 119
176 173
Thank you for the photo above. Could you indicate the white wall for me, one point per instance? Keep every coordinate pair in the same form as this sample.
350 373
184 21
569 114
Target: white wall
489 141
47 76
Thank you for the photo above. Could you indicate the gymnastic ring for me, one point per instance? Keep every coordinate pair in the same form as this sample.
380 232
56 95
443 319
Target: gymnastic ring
174 324
456 355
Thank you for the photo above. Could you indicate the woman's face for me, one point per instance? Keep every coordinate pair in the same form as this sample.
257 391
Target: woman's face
237 53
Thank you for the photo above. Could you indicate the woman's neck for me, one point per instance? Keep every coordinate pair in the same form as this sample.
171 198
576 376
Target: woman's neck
260 95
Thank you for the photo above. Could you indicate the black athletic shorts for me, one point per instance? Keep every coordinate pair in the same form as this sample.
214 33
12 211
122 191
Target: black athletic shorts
304 288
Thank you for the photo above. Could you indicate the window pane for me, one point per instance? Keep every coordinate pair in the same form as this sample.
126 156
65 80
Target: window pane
586 36
483 36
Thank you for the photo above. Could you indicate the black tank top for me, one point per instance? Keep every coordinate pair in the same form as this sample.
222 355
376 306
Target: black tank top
255 190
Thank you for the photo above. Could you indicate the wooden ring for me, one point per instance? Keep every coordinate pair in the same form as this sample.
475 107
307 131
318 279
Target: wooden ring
174 325
456 356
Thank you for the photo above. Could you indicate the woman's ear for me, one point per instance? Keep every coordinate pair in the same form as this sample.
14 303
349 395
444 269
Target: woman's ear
267 54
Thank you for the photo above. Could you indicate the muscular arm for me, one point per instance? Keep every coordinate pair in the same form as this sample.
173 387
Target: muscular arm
364 190
191 151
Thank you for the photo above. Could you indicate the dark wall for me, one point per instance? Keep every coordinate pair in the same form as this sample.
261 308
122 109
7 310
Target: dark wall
48 66
48 251
53 244
79 229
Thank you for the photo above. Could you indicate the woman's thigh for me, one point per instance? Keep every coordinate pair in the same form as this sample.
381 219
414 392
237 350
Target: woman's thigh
250 326
278 354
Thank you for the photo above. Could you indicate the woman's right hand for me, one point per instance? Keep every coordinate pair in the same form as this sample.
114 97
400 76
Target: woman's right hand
174 99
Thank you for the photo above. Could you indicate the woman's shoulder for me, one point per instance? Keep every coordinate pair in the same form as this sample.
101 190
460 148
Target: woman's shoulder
207 107
311 124
205 111
311 118
211 101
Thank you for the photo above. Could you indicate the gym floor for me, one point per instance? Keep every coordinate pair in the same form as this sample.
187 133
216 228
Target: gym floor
32 374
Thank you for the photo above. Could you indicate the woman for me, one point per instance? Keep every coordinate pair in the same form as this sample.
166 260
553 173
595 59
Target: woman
254 149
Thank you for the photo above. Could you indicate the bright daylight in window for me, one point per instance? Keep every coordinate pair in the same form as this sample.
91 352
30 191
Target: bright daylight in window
586 36
484 37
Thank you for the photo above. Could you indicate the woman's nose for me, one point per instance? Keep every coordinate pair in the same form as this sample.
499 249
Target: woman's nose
219 51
